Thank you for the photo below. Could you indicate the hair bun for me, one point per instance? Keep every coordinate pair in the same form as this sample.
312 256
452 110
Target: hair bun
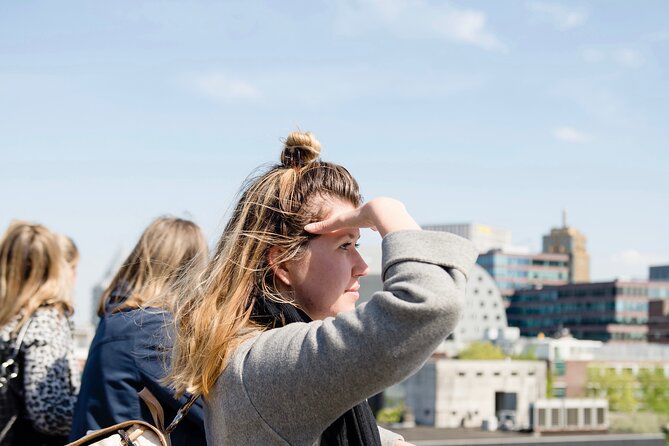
299 149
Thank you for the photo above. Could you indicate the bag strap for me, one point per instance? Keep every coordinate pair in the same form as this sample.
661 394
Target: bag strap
19 338
183 410
10 364
157 411
154 407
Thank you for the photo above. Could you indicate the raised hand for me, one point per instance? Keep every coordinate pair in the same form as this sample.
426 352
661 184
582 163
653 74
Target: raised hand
382 214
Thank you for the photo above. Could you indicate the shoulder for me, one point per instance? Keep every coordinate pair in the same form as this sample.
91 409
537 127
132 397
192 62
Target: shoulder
47 322
130 321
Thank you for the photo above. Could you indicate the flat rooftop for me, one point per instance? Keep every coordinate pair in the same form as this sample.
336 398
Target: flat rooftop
429 436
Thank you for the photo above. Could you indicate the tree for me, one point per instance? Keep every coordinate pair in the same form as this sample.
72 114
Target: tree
482 350
618 388
529 355
654 387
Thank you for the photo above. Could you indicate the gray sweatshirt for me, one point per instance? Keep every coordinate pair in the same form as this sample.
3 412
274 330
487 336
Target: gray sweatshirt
286 386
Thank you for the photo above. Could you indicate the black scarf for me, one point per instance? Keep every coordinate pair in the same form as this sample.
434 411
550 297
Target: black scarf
357 426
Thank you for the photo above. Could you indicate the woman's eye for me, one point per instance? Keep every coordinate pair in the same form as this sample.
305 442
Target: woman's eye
348 245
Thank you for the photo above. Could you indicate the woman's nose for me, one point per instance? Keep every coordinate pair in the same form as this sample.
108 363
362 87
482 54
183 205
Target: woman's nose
360 269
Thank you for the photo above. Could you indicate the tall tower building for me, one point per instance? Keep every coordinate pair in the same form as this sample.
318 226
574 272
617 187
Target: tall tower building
567 240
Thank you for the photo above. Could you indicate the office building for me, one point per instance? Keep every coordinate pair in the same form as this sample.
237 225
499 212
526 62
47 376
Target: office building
605 311
658 321
656 273
514 272
484 237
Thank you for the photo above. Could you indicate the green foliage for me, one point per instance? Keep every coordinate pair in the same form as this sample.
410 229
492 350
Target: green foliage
530 355
482 350
648 391
549 383
638 422
618 388
654 387
390 415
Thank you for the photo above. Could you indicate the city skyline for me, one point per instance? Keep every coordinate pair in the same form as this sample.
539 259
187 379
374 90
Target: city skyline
500 114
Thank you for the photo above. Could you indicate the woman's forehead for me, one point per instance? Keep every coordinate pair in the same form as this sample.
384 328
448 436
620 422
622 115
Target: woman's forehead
333 206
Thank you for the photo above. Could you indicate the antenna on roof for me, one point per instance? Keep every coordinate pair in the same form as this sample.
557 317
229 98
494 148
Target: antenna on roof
564 218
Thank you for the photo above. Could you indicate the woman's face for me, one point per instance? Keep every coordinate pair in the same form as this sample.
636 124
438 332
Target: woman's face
324 279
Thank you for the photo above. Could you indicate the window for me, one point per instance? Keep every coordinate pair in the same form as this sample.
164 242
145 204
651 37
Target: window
572 417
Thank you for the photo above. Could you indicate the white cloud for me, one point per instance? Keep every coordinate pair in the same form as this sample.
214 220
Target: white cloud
592 55
418 19
569 134
467 26
226 88
624 56
560 16
657 36
629 58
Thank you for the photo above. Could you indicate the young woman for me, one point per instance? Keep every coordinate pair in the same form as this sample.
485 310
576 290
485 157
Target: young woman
131 345
35 289
272 338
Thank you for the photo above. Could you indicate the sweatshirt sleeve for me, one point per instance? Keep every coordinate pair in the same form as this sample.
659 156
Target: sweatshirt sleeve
309 374
50 378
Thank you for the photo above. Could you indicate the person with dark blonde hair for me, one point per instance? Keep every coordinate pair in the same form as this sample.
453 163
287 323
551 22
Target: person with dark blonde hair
130 350
35 294
271 335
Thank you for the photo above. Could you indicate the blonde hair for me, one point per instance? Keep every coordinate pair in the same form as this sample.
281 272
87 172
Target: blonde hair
215 310
69 250
32 272
168 249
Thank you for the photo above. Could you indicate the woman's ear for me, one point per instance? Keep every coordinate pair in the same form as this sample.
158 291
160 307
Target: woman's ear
279 269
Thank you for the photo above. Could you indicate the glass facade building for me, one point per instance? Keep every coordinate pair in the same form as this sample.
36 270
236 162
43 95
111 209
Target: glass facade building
514 272
607 311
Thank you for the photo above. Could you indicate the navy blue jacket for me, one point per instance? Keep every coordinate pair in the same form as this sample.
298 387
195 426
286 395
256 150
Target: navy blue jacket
131 351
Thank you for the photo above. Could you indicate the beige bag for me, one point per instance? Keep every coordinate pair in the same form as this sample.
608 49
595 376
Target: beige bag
128 433
138 432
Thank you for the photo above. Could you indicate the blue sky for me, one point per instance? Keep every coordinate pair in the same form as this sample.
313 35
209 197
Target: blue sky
502 113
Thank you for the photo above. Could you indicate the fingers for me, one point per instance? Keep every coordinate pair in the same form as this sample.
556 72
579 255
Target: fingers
336 222
384 215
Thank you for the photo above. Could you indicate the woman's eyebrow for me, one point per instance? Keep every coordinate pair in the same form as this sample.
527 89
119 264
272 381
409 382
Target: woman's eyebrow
350 234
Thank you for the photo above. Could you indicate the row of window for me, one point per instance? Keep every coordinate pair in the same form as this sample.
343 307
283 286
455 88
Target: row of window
496 373
557 417
617 306
495 260
501 274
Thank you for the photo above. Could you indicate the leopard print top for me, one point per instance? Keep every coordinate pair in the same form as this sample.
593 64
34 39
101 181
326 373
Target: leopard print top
50 374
